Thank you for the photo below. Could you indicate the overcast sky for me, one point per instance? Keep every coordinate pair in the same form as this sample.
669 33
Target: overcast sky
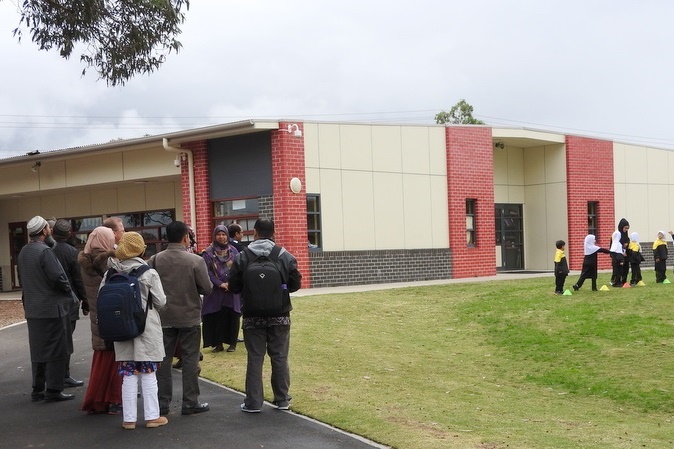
601 68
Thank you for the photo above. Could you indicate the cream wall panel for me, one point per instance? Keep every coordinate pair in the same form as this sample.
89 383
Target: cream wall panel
416 151
160 195
95 169
177 191
52 175
356 147
618 163
311 158
656 167
53 206
536 245
439 212
438 150
312 180
556 219
27 208
555 164
620 200
534 166
329 142
635 165
500 167
387 149
78 204
659 216
358 218
515 194
670 167
636 212
388 211
18 179
150 163
332 214
500 194
131 198
515 166
417 219
104 201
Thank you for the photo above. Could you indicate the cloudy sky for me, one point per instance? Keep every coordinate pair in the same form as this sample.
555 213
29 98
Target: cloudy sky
601 68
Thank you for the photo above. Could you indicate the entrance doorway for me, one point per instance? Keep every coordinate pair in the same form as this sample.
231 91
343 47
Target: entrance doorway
18 237
509 237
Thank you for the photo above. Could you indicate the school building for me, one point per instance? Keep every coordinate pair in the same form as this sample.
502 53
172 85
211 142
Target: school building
355 203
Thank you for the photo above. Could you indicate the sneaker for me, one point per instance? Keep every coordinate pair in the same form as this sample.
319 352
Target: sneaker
158 422
249 410
279 406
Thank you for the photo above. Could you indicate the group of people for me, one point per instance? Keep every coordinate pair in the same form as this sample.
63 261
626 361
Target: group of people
625 252
185 289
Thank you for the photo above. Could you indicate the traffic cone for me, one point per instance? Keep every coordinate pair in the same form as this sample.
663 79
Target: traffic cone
604 288
627 285
567 293
666 281
641 284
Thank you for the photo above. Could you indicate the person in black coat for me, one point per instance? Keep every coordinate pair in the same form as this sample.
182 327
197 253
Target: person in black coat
589 270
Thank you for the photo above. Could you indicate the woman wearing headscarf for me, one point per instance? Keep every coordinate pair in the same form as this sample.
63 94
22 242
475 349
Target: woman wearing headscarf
221 309
104 392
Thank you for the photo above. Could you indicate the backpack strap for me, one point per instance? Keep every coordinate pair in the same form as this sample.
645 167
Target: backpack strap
138 272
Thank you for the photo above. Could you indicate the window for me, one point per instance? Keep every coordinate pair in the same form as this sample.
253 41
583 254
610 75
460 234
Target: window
243 211
592 225
314 222
470 222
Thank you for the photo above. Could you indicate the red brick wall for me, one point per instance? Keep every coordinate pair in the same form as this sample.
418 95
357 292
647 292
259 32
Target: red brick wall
589 174
290 209
203 210
470 175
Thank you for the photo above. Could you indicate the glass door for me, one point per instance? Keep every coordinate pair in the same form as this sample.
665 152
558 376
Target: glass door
510 236
18 237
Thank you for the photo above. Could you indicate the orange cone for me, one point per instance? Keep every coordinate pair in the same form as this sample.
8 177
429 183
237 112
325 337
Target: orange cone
627 285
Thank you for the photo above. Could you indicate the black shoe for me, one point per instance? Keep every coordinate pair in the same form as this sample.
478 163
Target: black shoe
37 396
199 408
70 382
575 287
58 397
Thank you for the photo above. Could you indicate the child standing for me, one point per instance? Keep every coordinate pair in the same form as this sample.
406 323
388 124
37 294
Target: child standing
617 260
561 267
660 257
138 359
589 270
635 257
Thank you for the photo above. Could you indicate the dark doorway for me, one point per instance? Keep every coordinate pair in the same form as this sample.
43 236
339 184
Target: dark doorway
510 236
18 237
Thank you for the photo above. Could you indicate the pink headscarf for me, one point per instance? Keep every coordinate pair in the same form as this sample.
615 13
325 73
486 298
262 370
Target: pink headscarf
101 239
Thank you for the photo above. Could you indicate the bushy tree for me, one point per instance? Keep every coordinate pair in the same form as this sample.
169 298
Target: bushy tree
460 114
119 38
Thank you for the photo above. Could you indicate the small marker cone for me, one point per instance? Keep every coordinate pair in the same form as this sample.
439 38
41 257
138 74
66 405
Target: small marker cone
641 284
567 293
666 281
604 288
627 285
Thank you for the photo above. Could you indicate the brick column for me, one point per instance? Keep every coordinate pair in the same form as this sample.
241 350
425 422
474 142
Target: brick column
589 177
203 209
290 209
470 175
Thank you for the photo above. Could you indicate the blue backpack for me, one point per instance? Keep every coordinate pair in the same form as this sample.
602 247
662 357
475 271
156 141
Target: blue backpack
119 305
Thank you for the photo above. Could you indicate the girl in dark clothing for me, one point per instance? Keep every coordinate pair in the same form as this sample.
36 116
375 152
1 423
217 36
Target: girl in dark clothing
660 257
589 270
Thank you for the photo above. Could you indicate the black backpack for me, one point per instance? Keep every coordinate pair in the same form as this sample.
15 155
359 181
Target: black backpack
119 305
265 292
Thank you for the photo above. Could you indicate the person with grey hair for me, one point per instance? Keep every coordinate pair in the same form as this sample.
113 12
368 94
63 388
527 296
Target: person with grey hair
47 299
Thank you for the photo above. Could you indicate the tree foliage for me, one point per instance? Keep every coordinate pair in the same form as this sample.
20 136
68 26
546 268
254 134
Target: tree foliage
460 114
119 38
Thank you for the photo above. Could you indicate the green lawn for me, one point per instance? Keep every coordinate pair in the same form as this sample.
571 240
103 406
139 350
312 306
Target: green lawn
502 364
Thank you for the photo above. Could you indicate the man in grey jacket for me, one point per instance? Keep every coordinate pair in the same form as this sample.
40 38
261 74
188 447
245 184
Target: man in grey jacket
184 277
47 299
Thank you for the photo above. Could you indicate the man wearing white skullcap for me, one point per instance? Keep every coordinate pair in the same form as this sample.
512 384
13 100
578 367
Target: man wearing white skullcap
47 298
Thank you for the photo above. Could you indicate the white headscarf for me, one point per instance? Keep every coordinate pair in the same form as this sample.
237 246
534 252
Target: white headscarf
616 246
634 237
590 247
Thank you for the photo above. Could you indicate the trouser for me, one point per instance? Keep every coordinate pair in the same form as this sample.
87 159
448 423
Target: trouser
636 274
275 341
148 385
625 272
560 278
660 270
617 263
190 342
50 374
73 323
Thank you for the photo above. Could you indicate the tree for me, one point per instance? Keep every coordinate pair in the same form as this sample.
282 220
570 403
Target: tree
460 114
119 38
